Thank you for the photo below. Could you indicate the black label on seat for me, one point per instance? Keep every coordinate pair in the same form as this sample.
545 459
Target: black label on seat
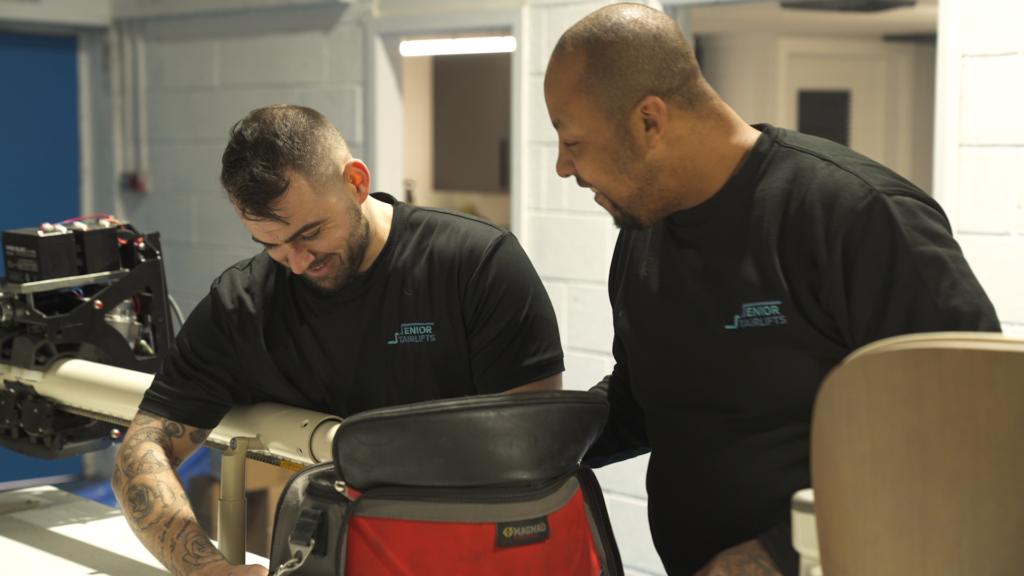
523 532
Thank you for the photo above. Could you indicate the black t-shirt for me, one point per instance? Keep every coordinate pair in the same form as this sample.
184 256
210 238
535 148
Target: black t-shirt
451 307
729 315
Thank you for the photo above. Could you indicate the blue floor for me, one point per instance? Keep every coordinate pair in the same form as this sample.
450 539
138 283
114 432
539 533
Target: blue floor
97 490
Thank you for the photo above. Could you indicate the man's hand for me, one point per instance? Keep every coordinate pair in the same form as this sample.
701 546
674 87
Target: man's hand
747 559
225 569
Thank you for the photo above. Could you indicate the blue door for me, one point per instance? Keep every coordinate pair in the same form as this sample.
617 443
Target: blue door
39 165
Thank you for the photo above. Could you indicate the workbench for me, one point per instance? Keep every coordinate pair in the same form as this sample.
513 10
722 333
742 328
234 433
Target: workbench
45 531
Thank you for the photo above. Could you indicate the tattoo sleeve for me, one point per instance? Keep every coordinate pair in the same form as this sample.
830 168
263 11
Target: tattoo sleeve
152 497
173 429
747 559
143 418
198 436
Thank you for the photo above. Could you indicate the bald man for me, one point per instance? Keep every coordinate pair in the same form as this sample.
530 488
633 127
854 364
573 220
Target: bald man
751 260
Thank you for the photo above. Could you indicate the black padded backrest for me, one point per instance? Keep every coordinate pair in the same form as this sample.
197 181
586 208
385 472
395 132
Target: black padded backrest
488 440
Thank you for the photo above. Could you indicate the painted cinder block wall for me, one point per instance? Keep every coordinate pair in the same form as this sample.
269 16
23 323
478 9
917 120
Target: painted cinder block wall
979 153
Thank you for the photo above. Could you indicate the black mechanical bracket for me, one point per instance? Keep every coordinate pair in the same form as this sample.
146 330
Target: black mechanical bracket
35 427
53 336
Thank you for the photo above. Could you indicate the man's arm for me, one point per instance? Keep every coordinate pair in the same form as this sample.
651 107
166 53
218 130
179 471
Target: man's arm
510 325
151 496
898 270
747 559
625 433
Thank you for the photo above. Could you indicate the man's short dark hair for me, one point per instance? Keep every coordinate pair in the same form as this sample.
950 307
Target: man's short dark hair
632 51
270 144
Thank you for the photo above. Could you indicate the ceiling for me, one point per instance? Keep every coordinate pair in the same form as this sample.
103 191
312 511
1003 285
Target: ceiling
769 17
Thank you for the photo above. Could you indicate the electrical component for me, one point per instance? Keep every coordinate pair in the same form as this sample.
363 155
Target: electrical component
90 288
96 249
116 315
32 254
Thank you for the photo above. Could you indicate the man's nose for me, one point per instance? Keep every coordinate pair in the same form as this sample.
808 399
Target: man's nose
564 167
299 259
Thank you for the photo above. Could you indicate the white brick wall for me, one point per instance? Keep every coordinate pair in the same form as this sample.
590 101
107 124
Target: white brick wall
570 240
982 122
272 59
998 262
182 64
204 74
568 246
992 27
989 188
993 89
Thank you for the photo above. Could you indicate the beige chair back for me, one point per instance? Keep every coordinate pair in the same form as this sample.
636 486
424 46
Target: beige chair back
917 458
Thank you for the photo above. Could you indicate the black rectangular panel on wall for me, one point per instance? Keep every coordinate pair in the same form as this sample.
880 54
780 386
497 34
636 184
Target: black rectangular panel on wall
472 122
825 114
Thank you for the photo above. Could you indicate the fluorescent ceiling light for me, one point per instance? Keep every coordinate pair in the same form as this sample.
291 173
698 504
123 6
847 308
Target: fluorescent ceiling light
445 46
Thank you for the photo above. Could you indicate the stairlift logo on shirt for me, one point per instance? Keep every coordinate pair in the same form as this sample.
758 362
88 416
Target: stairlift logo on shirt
414 333
758 314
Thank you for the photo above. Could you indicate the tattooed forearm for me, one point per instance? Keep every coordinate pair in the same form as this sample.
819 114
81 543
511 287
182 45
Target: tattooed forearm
199 550
115 478
144 418
137 457
173 516
177 538
198 436
151 495
148 501
173 429
747 559
752 566
150 462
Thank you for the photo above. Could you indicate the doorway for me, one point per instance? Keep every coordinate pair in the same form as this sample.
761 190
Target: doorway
457 132
764 59
873 78
401 115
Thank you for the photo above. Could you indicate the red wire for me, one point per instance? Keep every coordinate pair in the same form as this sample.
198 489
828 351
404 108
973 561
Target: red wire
107 216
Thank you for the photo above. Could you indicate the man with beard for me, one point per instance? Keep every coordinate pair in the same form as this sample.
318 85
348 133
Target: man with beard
751 261
359 301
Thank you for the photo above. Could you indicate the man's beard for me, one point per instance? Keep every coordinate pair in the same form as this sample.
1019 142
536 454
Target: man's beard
624 219
631 170
347 265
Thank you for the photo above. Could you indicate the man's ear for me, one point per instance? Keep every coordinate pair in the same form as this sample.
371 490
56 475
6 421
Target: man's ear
653 114
357 175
